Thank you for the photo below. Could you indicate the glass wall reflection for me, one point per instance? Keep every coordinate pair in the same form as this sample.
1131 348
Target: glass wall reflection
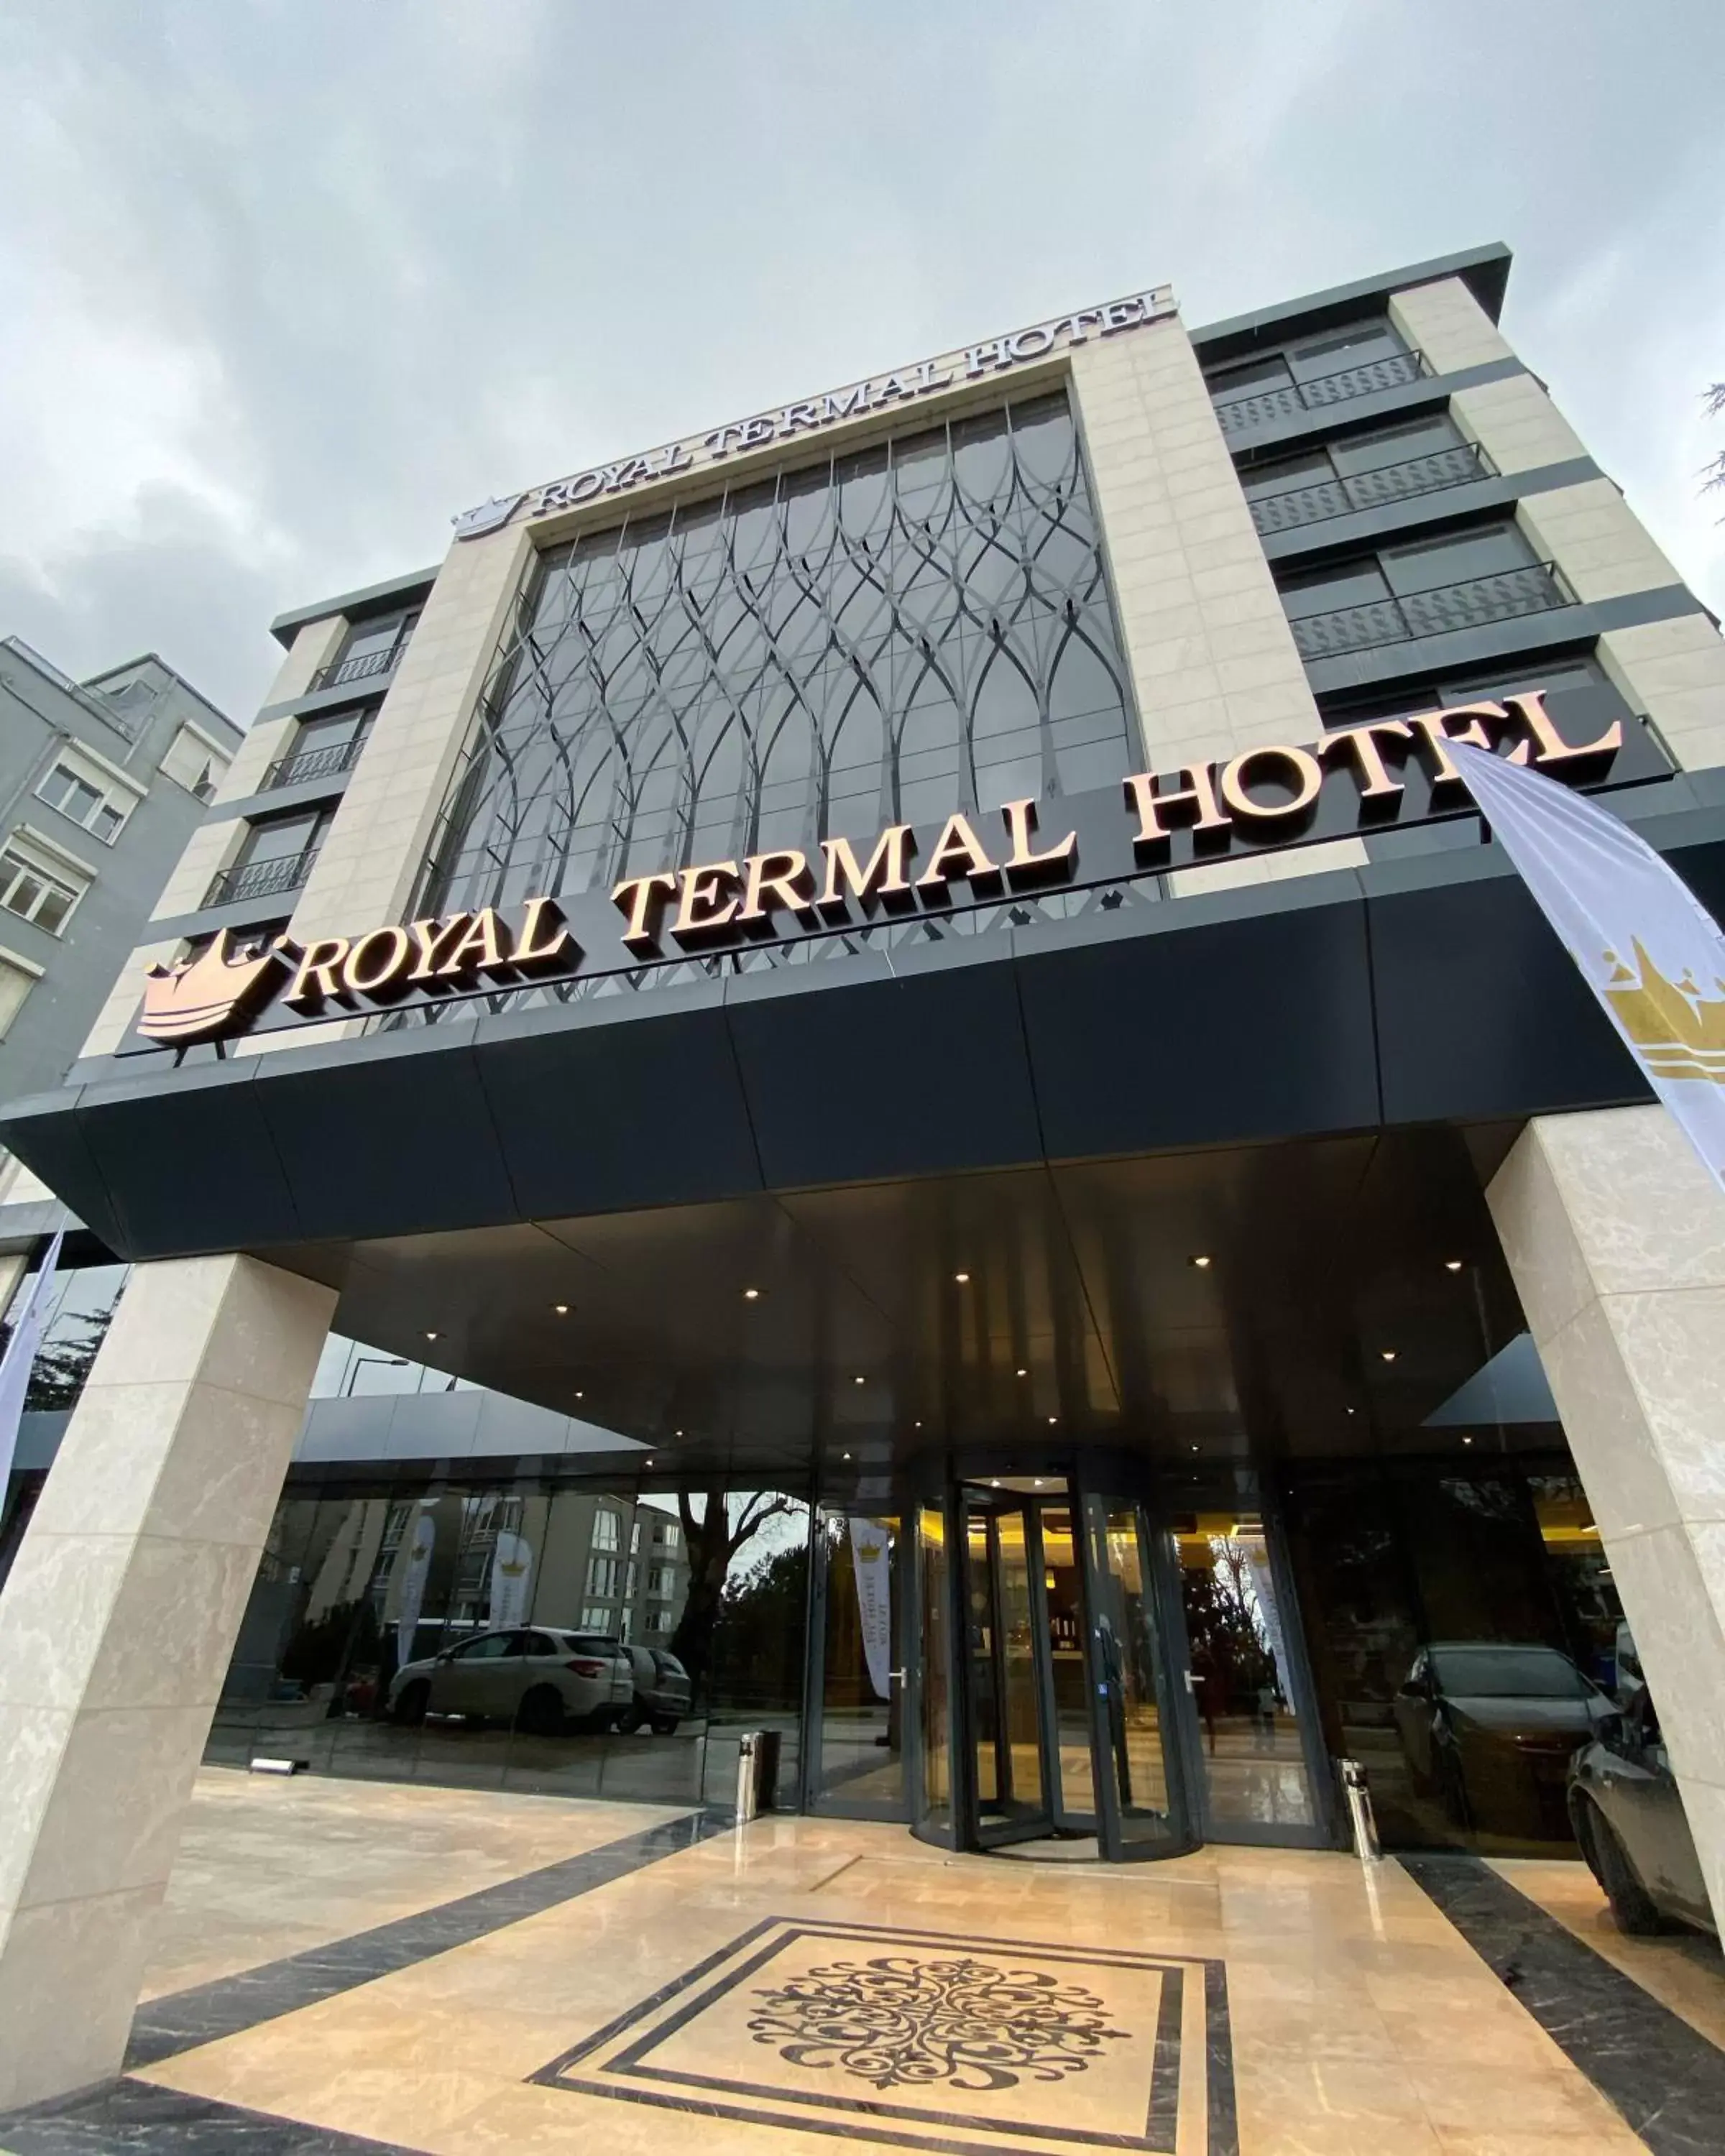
577 1640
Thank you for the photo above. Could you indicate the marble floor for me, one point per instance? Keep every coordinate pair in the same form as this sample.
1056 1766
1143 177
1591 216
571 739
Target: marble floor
346 1967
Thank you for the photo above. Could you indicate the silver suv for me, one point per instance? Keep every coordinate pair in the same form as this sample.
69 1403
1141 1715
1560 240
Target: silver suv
662 1691
534 1679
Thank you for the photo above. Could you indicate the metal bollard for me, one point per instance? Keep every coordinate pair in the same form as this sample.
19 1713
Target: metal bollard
756 1773
1355 1788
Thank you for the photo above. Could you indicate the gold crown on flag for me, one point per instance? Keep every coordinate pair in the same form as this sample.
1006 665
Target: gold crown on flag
1679 1032
868 1552
200 998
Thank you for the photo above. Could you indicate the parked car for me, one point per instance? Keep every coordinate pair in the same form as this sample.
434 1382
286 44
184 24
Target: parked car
1489 1728
538 1680
663 1694
1628 1813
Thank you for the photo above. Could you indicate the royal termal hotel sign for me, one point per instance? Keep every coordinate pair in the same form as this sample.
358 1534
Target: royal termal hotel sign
1378 774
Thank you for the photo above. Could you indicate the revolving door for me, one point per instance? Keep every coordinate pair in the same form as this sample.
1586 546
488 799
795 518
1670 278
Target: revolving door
1043 1703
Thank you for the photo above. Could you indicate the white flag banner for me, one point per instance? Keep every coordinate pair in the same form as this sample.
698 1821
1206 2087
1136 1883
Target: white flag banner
1645 946
21 1353
869 1544
415 1564
511 1576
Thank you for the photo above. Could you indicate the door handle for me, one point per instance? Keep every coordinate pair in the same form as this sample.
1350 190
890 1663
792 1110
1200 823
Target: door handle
898 1676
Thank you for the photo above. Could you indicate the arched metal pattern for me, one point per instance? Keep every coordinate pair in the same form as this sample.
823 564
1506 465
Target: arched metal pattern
916 627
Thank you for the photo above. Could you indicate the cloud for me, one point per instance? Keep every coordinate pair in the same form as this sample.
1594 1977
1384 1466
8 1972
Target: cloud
289 284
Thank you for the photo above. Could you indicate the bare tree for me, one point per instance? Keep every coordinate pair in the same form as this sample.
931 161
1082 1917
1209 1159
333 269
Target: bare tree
713 1541
1714 468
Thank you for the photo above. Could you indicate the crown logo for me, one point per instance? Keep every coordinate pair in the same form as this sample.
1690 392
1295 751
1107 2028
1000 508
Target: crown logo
870 1552
1679 1032
513 1570
489 516
201 998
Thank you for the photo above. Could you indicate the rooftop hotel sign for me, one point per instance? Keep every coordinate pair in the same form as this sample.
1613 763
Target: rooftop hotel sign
905 386
1378 774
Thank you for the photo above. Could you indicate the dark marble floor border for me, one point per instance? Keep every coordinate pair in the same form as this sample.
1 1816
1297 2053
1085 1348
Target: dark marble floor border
181 2020
140 2119
1664 2076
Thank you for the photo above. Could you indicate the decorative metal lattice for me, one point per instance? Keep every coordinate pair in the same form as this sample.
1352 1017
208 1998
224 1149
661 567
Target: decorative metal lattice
920 626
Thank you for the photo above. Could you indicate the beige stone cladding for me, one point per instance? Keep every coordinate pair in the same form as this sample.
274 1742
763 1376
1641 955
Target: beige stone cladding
1615 1235
1212 658
116 1625
1674 672
1596 540
367 865
314 646
1446 323
1516 424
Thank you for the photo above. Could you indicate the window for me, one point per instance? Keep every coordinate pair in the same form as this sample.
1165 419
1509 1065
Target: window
885 636
1250 379
605 1525
33 893
1457 558
87 803
1394 445
493 1647
633 1581
670 1534
601 1576
659 1618
1356 346
194 761
662 1583
16 980
370 647
595 1618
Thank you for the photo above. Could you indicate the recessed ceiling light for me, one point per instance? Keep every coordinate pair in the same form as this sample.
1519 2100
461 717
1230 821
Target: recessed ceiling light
1053 1418
1351 1411
581 1396
1388 1354
1467 1441
677 1433
847 1455
961 1278
915 1425
433 1336
1194 1448
1024 1374
859 1381
560 1308
1452 1264
751 1295
1039 1481
1200 1262
995 1484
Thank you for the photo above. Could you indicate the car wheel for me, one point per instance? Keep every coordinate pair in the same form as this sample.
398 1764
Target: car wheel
631 1719
540 1712
1633 1909
410 1704
664 1725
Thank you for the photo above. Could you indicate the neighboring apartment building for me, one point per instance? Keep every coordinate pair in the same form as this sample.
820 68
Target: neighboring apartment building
918 959
102 783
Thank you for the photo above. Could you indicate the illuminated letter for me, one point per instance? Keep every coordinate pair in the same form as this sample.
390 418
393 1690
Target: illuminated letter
783 877
636 896
427 935
1367 754
316 976
1058 860
527 952
1234 775
884 872
482 948
400 949
1201 795
702 888
1434 727
958 843
1530 708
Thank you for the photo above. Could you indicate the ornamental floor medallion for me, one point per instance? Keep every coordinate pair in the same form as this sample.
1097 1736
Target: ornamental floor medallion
931 2040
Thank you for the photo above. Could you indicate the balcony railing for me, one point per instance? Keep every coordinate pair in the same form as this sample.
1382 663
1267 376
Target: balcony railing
1455 466
1266 408
1533 588
261 879
363 667
327 762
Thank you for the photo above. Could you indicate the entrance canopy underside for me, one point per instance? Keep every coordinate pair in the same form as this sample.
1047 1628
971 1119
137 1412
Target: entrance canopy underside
1044 1308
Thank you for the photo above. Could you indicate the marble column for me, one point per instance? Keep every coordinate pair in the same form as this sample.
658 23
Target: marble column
116 1625
1616 1235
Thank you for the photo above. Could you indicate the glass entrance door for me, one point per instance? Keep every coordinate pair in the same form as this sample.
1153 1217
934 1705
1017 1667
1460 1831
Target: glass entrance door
1140 1808
1006 1651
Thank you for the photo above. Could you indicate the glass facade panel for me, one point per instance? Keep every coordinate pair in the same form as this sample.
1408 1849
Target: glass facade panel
889 635
861 1757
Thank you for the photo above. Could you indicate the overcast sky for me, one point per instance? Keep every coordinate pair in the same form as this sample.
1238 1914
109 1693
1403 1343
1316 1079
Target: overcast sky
285 283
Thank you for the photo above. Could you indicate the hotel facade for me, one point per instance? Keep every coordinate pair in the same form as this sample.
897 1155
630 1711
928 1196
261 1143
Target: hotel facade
876 1053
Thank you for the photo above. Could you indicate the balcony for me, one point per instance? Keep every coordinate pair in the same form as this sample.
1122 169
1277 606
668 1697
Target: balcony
1340 496
1536 588
265 879
1293 400
363 667
327 762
